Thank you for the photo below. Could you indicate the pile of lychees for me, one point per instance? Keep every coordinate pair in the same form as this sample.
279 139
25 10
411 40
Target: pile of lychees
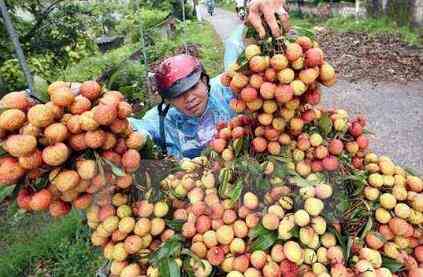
50 143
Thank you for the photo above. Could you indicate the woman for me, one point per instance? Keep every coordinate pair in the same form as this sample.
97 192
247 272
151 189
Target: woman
184 122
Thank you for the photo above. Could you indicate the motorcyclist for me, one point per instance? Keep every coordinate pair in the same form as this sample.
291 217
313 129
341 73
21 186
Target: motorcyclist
210 7
240 8
184 122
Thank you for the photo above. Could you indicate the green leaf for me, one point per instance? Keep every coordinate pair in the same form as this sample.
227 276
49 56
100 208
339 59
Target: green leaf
117 171
367 228
238 146
41 183
301 182
302 31
257 231
5 191
325 124
348 249
175 224
263 184
391 264
2 152
368 132
169 268
412 171
235 194
167 250
295 232
264 242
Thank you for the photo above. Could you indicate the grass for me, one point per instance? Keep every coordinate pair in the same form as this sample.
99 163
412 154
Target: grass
211 50
38 245
373 26
92 67
228 5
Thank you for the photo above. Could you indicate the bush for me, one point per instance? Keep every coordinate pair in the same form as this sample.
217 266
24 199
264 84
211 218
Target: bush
129 26
92 67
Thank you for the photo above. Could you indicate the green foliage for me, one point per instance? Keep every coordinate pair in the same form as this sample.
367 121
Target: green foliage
201 34
130 24
53 35
92 67
228 5
45 246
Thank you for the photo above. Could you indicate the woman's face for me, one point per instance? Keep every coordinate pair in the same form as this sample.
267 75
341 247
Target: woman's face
194 101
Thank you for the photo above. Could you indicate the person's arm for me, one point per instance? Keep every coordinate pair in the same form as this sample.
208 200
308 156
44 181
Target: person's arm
268 8
234 46
148 125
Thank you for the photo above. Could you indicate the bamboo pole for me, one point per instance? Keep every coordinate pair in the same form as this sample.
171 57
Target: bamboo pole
18 49
144 53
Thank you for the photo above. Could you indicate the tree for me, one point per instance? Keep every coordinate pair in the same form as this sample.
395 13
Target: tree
50 33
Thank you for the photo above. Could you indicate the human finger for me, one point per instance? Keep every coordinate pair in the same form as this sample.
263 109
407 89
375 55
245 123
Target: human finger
255 20
284 18
269 16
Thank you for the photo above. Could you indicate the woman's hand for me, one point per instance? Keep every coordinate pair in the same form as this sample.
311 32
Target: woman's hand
268 8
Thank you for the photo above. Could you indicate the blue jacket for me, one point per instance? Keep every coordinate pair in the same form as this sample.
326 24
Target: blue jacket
187 136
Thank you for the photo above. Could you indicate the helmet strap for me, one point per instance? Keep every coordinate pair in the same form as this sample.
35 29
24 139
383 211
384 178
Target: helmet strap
162 115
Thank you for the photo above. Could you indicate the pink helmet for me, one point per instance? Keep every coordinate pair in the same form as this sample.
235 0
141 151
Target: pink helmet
178 74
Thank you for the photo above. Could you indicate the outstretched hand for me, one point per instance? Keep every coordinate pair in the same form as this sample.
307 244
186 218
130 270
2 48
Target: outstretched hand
270 9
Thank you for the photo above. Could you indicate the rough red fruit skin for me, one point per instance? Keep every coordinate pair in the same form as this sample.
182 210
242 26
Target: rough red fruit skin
203 224
215 255
105 212
112 156
336 147
304 42
244 120
131 160
120 146
23 199
241 263
362 142
83 201
218 145
312 97
105 114
225 133
293 51
220 125
259 144
90 89
249 94
418 253
271 134
284 93
40 200
356 129
289 269
10 170
238 132
308 116
16 100
316 166
330 163
313 57
59 208
358 162
124 110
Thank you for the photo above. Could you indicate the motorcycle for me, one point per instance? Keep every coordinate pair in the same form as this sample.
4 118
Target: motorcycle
242 13
210 7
